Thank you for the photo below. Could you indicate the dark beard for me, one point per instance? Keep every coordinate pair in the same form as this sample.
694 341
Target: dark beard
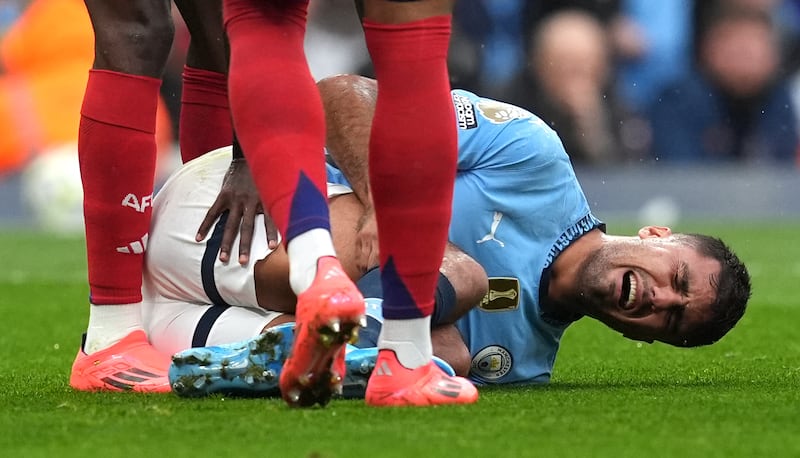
591 292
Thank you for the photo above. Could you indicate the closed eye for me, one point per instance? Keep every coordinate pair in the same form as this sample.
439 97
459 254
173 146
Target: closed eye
683 278
680 280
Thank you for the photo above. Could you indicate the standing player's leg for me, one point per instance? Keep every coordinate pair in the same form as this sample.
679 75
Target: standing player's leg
205 121
278 119
412 167
117 154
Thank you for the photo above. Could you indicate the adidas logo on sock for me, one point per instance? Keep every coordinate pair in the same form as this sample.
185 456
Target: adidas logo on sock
135 247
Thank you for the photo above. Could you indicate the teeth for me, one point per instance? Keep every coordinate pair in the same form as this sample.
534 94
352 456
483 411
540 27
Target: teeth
631 292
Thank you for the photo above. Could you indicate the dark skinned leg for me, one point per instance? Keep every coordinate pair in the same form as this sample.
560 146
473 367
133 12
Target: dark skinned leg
132 37
117 154
205 121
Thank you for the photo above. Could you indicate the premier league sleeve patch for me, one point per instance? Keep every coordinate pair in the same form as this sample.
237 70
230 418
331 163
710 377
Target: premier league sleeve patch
500 113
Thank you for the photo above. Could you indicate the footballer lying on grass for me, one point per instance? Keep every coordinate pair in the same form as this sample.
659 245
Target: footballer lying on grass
518 211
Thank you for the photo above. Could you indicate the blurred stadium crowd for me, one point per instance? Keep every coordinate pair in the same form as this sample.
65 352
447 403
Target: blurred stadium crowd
621 81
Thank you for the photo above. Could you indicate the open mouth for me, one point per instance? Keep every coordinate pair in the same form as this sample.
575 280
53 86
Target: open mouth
627 294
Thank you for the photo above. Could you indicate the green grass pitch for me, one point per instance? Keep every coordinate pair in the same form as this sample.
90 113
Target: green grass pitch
609 396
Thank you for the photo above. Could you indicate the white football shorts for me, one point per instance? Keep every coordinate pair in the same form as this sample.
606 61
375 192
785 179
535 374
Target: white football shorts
191 298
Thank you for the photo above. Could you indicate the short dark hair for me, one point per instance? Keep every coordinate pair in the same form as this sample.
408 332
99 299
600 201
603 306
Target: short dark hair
733 290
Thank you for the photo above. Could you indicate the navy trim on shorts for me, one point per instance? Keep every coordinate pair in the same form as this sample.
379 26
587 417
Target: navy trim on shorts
209 258
203 328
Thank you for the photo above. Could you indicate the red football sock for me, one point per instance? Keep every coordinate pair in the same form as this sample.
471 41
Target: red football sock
277 111
117 153
412 159
205 122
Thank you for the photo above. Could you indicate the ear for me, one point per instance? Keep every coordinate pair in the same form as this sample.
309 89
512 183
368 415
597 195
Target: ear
654 231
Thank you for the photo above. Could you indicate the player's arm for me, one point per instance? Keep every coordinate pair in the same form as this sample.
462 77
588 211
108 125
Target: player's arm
239 197
349 102
462 284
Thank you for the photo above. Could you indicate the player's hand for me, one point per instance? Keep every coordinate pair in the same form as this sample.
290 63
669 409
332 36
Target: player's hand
240 198
367 246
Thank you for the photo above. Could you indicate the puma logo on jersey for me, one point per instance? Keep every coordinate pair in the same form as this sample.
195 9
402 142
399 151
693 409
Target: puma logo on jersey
139 205
498 216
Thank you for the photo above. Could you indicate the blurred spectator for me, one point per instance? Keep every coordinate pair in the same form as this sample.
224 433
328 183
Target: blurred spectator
604 11
735 105
649 41
785 15
46 56
654 41
495 32
567 84
334 39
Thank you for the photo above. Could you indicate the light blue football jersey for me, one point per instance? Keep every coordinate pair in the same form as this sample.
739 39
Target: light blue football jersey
517 204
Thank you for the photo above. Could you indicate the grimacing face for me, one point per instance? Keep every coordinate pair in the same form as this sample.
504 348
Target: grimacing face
651 287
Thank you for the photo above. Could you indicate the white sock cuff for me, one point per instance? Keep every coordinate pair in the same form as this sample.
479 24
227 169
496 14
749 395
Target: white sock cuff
304 251
108 324
410 340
